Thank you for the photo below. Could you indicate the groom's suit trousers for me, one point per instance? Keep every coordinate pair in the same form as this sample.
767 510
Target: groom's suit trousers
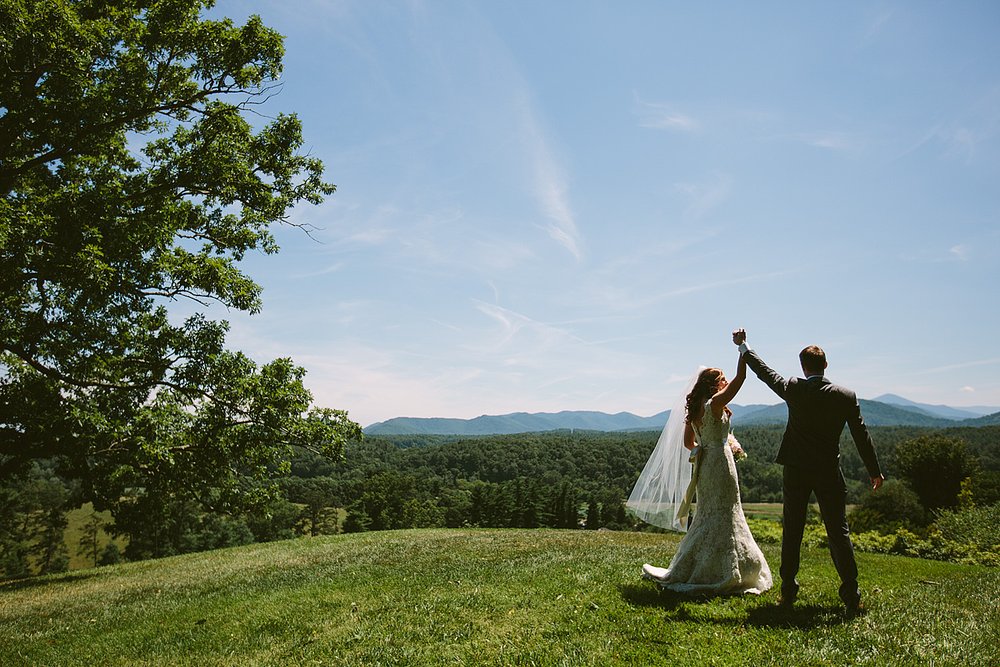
831 493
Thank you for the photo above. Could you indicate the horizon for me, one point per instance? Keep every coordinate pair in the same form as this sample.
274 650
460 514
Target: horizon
978 410
534 214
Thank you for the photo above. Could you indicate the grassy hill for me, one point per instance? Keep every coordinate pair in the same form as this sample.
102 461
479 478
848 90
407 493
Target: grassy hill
493 597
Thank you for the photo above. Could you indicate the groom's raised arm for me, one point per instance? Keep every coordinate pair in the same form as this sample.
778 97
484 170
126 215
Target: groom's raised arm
766 374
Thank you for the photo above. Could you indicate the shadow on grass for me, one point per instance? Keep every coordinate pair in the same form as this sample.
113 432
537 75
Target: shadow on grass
647 595
37 582
767 615
801 616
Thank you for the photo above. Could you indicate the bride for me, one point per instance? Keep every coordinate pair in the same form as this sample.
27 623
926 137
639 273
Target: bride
718 555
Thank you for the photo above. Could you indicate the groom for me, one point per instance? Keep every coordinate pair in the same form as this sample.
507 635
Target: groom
810 455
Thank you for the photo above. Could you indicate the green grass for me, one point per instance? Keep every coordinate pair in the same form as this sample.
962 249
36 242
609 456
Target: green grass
494 597
773 511
763 510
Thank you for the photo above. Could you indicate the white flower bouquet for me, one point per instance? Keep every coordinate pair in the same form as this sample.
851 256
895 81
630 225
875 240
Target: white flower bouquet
734 444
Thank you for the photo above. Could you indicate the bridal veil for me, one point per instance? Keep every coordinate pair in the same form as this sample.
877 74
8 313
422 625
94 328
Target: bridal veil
661 494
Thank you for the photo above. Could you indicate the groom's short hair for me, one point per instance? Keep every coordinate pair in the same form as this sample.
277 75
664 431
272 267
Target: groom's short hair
813 359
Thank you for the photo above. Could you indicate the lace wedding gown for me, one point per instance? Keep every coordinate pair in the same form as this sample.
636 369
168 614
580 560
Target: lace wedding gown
718 555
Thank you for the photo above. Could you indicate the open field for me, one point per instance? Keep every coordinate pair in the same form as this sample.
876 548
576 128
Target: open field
499 597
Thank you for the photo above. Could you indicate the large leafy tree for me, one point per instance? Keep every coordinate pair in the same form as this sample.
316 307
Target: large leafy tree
131 178
935 467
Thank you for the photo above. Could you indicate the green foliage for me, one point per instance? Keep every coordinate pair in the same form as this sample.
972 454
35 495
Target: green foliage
131 177
318 497
932 546
158 525
275 520
966 535
978 527
110 555
895 505
512 482
985 487
935 467
90 546
765 531
357 520
32 523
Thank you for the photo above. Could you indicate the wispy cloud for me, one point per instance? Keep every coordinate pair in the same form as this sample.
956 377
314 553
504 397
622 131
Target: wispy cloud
978 363
332 268
840 141
919 143
660 116
960 252
962 142
958 140
714 285
630 299
376 383
703 197
513 323
831 140
877 24
549 180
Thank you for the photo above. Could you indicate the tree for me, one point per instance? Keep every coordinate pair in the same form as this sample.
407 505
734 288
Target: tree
111 554
935 467
14 536
317 495
593 515
130 179
50 544
357 520
90 545
893 506
274 521
32 523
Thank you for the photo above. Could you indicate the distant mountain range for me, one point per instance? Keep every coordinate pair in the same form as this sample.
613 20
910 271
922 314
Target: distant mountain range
938 410
886 410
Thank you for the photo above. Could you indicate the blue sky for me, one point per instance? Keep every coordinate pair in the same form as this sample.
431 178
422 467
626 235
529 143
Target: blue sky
561 205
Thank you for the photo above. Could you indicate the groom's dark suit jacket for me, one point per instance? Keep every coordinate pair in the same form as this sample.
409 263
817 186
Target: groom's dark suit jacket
817 412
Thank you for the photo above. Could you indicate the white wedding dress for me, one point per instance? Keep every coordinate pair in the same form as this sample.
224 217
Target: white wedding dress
718 555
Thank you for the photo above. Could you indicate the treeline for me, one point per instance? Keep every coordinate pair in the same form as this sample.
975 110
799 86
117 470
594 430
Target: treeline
563 479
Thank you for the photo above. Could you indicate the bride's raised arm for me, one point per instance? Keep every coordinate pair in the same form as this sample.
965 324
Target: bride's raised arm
729 392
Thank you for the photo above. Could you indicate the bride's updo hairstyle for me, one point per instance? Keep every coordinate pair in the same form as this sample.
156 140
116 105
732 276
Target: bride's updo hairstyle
704 388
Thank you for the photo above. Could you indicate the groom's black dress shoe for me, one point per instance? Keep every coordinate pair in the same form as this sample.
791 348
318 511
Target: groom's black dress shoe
786 601
855 608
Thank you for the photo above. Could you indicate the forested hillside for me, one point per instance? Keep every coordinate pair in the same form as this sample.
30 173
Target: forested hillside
562 479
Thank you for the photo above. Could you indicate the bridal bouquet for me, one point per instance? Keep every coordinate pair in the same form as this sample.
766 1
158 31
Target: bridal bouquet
734 444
